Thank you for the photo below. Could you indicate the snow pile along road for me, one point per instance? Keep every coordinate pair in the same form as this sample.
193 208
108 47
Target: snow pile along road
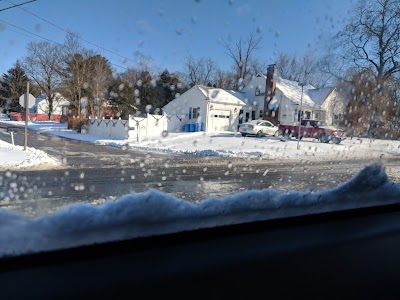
154 213
16 157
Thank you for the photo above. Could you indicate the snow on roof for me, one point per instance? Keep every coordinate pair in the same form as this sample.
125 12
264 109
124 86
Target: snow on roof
292 91
59 98
319 95
222 96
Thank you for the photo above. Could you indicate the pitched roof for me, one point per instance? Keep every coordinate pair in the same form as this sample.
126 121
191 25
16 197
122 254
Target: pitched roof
292 91
319 95
222 96
311 96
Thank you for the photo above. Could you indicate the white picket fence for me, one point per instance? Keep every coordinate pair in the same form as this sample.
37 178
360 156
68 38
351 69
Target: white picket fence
138 129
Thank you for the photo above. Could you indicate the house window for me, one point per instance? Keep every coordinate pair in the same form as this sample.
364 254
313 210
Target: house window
261 114
253 114
247 116
194 112
302 115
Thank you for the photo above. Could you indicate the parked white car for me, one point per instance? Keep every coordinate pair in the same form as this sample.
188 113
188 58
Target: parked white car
258 128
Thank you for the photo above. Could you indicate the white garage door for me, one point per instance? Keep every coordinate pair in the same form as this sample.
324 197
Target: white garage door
220 120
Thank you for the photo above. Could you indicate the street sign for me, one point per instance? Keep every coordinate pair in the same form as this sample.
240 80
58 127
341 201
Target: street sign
31 100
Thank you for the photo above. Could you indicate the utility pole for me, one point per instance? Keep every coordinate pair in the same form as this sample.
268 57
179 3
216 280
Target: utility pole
301 115
26 116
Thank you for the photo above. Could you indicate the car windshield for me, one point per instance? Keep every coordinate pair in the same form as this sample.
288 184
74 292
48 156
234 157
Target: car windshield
121 115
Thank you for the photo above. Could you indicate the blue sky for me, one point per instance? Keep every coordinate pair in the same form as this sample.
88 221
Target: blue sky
168 31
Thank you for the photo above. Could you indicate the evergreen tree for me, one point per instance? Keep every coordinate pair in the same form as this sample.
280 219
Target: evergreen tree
168 87
12 86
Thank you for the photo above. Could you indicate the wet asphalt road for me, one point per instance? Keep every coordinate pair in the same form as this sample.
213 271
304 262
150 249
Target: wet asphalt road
92 173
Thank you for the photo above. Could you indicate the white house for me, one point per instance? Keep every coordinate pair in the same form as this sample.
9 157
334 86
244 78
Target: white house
284 104
204 108
264 97
335 105
42 105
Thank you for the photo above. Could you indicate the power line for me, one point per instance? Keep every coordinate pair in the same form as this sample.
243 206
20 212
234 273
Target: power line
51 41
15 5
30 32
66 31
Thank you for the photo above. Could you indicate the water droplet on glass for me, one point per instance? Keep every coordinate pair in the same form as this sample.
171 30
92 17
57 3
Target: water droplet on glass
179 30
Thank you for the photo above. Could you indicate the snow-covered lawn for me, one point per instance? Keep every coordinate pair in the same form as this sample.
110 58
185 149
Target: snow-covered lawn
227 144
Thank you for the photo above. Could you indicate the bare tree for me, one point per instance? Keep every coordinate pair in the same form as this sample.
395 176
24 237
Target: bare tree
258 66
242 54
210 67
99 76
371 39
224 80
131 76
42 64
75 69
199 71
369 45
283 65
307 68
192 71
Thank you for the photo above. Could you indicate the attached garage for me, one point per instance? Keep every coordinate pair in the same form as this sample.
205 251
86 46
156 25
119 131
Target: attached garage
213 108
220 120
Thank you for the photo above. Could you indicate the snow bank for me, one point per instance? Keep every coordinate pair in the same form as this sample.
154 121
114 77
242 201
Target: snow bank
16 157
153 213
229 144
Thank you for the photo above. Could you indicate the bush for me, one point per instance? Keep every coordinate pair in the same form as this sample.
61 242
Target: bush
76 123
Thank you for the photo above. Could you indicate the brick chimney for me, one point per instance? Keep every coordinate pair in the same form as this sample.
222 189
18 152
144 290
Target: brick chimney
270 86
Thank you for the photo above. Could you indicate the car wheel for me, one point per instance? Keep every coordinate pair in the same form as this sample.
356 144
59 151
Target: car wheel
259 134
297 137
276 133
336 140
287 134
244 134
323 138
